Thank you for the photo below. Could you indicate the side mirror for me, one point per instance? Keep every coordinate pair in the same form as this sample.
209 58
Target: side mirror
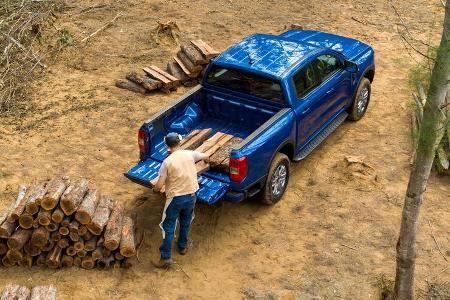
351 66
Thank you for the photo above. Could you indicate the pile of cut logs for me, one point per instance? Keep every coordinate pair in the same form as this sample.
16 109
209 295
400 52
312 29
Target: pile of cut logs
61 223
218 147
442 159
185 68
18 292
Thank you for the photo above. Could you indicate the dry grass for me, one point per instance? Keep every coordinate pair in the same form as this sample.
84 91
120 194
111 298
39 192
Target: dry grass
27 40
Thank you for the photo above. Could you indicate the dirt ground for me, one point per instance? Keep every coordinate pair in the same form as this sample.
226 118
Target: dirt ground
331 237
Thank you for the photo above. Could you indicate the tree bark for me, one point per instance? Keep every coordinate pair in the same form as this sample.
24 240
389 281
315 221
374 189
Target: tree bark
194 55
3 248
19 238
55 189
105 262
72 197
34 200
113 230
174 69
146 82
40 237
19 205
101 215
87 234
54 258
66 261
6 229
87 208
82 230
91 244
14 255
15 292
188 63
431 133
127 244
31 250
131 86
47 292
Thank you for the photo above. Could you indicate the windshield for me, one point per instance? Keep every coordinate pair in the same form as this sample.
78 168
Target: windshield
247 83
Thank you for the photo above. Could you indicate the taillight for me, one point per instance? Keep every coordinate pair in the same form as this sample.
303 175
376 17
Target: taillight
141 140
238 168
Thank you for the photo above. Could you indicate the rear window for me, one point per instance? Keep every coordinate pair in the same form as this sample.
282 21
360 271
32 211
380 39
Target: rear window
246 83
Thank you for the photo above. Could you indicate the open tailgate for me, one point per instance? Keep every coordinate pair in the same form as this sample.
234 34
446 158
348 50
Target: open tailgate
210 191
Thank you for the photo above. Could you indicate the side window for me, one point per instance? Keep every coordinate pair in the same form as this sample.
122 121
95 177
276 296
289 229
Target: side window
325 65
305 80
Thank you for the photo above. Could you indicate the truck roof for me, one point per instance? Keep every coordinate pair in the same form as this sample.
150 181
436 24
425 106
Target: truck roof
272 55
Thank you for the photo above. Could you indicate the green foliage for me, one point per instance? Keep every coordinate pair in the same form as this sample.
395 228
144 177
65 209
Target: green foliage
66 38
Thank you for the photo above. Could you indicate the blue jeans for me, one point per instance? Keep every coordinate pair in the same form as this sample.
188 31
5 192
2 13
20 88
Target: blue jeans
181 208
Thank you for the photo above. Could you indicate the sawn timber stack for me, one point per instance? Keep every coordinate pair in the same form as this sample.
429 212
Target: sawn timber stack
63 222
184 68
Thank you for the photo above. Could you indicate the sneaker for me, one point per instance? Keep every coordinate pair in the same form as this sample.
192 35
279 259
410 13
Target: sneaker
163 263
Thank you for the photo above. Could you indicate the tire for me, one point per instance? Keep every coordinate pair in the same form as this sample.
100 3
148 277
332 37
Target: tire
279 175
361 100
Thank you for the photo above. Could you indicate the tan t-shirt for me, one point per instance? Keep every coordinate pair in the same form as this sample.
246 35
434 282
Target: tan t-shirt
179 169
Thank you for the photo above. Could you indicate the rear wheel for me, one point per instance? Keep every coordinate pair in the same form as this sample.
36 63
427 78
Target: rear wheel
361 101
277 180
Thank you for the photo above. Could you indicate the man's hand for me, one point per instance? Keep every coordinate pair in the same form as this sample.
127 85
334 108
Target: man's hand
159 184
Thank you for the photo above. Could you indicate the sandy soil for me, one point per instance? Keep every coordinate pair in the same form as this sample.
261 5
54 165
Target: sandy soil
333 234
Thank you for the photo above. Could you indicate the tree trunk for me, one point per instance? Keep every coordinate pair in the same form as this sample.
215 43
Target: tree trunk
431 132
91 244
101 215
194 54
113 231
66 261
19 238
131 86
19 205
87 262
54 258
34 200
145 81
6 229
58 215
55 189
47 292
31 250
14 255
44 217
40 237
15 292
26 220
72 197
127 244
87 208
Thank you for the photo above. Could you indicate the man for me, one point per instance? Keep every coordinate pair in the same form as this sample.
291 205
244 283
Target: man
178 176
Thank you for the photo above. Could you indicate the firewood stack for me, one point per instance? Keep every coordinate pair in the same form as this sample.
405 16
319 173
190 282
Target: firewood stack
442 159
185 68
18 292
61 223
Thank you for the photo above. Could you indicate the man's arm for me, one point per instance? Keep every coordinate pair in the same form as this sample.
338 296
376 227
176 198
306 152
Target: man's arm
200 156
162 176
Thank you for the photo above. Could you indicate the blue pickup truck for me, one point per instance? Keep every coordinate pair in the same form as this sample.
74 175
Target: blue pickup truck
282 94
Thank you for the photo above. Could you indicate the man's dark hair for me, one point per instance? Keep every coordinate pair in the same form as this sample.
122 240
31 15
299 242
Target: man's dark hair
172 139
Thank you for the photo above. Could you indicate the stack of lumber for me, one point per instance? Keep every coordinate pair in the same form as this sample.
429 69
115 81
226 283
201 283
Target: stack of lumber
442 159
61 223
17 292
218 147
185 68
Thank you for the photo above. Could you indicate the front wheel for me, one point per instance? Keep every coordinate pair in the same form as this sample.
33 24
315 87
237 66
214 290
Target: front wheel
361 101
277 180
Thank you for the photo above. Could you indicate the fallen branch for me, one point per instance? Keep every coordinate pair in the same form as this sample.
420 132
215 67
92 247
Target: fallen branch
437 244
101 28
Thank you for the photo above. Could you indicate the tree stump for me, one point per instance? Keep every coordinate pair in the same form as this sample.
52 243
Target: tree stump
87 208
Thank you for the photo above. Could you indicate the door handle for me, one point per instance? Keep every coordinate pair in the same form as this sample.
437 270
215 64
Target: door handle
306 110
330 91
